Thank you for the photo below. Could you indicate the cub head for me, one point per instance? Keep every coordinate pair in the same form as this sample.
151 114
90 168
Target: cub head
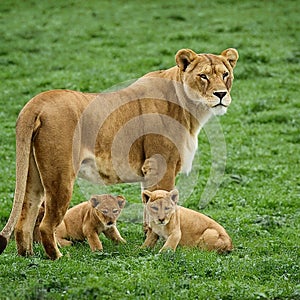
107 208
160 205
207 78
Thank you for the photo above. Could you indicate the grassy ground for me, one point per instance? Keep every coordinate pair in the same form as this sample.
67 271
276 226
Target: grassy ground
92 45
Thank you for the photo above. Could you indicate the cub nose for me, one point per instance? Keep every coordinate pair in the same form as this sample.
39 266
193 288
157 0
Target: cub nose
161 220
110 223
220 95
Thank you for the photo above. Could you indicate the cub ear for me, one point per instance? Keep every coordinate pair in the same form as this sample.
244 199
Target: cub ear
94 201
184 57
146 195
231 55
121 201
174 194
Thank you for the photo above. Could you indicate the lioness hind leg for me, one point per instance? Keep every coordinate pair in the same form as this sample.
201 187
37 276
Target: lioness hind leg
212 239
56 206
26 222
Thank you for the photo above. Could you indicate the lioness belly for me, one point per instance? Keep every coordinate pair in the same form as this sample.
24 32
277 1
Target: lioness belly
101 171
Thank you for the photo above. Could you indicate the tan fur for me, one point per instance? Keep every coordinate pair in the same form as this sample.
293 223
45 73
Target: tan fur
181 226
36 231
144 133
88 219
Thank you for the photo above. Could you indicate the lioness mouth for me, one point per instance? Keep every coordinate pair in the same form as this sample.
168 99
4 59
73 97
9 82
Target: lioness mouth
220 104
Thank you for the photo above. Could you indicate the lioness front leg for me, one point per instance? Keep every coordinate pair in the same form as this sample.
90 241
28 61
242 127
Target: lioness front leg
154 171
172 241
114 234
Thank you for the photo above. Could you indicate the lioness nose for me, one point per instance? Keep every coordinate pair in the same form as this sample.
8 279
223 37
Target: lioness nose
161 220
220 95
110 223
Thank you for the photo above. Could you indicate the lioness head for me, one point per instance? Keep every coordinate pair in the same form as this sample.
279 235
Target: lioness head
207 78
108 208
160 205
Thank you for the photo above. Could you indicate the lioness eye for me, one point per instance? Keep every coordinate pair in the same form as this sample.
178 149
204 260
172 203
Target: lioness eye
225 75
167 208
115 211
203 76
104 211
154 208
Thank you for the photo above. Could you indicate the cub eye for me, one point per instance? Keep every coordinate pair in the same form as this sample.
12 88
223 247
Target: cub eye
167 208
115 211
104 211
225 75
154 208
203 76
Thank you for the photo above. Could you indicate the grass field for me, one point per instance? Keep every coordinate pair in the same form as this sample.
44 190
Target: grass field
93 45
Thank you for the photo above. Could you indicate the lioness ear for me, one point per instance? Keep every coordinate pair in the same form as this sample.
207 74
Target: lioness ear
231 55
174 196
146 195
121 201
94 201
184 57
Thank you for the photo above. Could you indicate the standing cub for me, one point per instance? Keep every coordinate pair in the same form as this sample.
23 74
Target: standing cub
179 225
88 219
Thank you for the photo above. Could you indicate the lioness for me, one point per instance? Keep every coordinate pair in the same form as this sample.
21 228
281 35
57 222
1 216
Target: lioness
146 132
90 218
180 225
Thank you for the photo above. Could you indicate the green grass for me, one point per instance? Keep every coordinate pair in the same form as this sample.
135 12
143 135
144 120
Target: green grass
93 45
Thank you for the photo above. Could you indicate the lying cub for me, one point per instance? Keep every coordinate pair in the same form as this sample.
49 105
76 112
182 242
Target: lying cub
179 225
89 219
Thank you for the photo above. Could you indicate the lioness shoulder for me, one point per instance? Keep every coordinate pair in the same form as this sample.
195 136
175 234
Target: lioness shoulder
180 225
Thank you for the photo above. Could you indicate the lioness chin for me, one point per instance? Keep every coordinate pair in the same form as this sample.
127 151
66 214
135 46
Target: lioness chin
181 226
146 132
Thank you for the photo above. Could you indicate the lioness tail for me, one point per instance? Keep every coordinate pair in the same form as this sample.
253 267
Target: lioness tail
26 125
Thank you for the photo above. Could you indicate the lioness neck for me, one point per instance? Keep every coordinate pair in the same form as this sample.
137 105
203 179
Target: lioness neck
196 114
171 73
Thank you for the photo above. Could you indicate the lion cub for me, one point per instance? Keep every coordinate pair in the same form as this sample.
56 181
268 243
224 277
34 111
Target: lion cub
89 219
179 225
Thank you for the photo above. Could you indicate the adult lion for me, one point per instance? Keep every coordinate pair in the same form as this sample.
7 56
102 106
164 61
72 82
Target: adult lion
146 132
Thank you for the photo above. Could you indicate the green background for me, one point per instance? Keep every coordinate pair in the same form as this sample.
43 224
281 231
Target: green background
94 45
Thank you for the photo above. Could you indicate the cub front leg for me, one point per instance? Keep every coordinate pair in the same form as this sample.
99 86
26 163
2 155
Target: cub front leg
172 241
94 241
92 236
151 239
114 234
